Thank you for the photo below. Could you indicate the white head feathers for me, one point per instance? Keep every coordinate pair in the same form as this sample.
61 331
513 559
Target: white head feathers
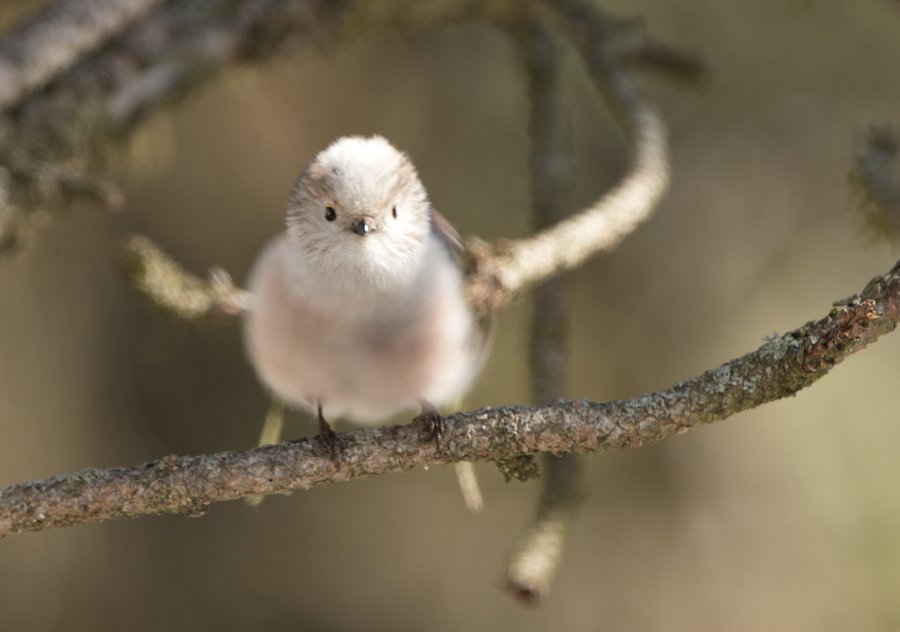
359 216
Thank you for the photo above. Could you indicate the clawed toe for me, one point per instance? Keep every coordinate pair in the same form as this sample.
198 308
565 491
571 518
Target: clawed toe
434 423
331 440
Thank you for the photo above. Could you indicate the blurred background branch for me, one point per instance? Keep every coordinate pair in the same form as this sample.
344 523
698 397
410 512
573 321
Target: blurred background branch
537 553
69 130
876 174
51 41
173 289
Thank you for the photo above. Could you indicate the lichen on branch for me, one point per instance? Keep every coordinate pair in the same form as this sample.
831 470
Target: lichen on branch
175 290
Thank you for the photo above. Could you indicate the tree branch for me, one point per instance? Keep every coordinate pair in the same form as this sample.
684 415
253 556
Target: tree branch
175 290
537 553
601 40
50 42
56 142
508 435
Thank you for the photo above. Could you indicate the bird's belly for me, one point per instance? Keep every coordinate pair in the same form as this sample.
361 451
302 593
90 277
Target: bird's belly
366 370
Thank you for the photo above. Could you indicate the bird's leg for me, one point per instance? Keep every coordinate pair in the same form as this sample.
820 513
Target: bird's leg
329 438
433 421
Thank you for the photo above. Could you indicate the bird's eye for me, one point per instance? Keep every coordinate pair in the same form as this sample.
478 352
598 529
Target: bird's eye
330 214
395 212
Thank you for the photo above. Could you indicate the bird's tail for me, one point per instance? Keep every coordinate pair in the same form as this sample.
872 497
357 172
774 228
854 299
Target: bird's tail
465 474
468 485
270 435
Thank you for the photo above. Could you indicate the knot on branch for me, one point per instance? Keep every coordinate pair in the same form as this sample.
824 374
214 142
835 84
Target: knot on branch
831 336
884 290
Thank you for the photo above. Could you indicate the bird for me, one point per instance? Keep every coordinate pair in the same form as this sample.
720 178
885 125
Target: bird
358 309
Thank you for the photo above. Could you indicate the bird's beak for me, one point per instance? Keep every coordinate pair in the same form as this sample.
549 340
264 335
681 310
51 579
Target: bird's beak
361 227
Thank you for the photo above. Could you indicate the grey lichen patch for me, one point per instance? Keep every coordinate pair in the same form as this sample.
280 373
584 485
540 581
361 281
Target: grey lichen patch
522 468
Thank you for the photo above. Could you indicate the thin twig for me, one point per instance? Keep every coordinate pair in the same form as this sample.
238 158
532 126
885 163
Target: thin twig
508 435
601 227
537 553
50 42
177 291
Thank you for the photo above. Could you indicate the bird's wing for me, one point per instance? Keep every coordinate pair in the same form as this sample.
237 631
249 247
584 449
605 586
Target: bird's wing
446 234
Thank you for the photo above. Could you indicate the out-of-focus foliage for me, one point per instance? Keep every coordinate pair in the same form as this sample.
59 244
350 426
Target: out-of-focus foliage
786 517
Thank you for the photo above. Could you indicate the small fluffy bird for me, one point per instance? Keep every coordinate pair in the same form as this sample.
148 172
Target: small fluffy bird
358 309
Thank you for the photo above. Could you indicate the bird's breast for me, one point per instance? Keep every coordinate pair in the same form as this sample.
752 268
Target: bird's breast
363 364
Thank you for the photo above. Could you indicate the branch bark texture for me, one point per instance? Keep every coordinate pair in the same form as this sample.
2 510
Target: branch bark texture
508 435
52 41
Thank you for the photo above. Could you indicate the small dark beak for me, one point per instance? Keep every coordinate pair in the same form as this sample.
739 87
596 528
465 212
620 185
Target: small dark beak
361 228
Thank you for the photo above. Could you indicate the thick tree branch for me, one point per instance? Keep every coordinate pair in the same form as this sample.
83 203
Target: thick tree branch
50 42
509 435
55 143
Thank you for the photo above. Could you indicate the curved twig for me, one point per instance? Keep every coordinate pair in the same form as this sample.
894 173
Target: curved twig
600 228
537 553
508 435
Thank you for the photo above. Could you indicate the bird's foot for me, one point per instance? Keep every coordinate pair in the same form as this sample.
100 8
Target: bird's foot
331 440
434 423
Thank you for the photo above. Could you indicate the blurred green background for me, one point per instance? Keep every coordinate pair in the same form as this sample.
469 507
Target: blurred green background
783 518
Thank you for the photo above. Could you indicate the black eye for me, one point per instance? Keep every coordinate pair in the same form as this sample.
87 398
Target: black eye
395 212
330 214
